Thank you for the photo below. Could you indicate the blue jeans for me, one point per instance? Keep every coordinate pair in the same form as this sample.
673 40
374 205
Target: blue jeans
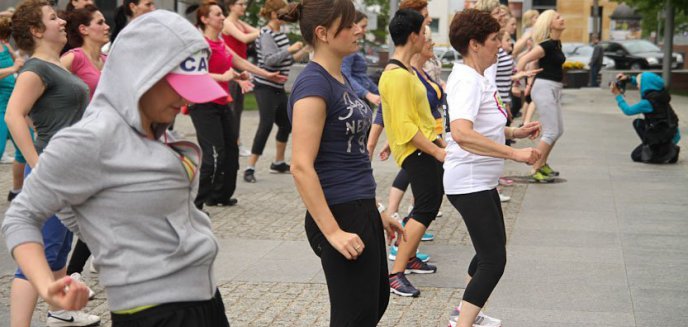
57 240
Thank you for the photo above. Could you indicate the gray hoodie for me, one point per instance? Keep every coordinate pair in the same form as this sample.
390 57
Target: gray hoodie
131 197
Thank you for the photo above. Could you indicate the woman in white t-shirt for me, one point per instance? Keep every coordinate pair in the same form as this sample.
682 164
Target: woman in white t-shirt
476 153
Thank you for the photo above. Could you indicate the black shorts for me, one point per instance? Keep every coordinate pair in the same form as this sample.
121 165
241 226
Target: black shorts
425 174
210 313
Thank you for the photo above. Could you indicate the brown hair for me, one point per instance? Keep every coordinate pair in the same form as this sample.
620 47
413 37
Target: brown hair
313 13
29 15
76 18
471 24
416 5
271 6
5 28
203 11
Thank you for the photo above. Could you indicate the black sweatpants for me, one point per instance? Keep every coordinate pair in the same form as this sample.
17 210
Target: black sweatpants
425 175
359 289
214 125
482 214
272 107
237 105
657 153
210 313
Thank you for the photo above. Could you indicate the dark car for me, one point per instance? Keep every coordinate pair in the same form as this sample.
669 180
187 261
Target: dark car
638 54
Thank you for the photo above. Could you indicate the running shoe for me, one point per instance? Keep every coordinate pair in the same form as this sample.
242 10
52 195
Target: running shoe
539 177
249 175
426 236
399 285
280 168
63 318
547 170
77 276
393 254
482 320
244 151
92 268
503 198
416 266
439 214
674 159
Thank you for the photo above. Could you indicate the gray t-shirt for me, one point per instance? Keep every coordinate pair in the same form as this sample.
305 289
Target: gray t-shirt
62 103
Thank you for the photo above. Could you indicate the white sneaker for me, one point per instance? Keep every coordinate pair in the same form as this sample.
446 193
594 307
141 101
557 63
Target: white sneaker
380 207
78 277
482 320
504 198
244 151
439 214
63 318
6 160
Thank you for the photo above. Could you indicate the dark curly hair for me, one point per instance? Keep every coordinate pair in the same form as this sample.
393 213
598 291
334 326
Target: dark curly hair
76 18
471 24
5 28
313 13
29 15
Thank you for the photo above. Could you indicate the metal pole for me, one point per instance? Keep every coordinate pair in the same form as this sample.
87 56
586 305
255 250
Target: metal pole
596 19
659 27
393 7
668 42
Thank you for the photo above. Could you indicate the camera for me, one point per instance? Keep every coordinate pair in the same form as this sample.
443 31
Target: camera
621 85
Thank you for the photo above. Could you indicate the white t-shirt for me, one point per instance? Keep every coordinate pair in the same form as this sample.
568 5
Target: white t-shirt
473 97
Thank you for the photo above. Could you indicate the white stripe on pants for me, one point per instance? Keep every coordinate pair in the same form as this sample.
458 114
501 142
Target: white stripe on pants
547 97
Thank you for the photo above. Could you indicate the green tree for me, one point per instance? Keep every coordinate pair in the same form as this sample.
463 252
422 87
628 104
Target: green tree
649 9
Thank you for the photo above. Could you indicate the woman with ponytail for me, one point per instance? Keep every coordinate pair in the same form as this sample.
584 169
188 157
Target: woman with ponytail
332 170
275 54
129 10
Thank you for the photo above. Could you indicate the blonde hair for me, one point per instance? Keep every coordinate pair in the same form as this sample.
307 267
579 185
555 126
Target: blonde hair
528 18
543 26
486 5
506 10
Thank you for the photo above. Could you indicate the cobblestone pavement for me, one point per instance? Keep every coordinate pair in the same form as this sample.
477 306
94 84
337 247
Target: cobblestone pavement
272 210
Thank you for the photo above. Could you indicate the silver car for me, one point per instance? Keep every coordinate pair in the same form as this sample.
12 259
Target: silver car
582 53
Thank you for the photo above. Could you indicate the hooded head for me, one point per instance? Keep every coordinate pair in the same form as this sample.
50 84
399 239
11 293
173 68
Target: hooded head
158 45
649 82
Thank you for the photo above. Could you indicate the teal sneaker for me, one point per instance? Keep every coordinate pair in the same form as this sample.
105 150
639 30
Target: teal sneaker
393 254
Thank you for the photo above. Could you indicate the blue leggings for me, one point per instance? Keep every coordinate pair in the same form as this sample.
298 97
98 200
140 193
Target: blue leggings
57 240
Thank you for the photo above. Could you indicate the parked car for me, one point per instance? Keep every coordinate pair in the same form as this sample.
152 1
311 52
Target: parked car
449 57
582 53
638 54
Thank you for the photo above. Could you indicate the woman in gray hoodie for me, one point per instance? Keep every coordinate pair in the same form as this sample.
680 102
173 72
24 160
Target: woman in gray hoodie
130 186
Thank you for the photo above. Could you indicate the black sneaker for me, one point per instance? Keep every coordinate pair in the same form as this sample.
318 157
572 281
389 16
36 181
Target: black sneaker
399 285
227 203
281 168
673 160
249 176
11 195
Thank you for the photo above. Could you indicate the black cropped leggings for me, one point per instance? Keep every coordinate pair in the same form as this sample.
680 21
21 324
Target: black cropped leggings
272 107
482 214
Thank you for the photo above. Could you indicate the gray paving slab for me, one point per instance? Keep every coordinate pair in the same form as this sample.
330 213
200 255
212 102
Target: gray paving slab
541 317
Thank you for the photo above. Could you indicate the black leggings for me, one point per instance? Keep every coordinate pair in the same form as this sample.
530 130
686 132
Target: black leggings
401 182
272 106
214 125
358 289
482 214
425 175
79 257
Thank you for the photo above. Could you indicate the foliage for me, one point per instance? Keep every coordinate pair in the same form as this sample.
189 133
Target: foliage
382 18
572 65
649 9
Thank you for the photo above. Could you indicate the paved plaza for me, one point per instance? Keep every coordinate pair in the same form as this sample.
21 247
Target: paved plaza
606 245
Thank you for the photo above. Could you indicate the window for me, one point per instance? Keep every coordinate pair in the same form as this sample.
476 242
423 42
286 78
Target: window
435 25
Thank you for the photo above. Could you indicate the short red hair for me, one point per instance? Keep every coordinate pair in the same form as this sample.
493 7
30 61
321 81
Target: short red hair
416 5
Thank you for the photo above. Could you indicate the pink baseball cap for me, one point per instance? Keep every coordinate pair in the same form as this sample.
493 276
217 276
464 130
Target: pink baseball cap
191 79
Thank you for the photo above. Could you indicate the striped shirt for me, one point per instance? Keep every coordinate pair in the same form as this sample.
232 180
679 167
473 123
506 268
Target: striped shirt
505 67
273 55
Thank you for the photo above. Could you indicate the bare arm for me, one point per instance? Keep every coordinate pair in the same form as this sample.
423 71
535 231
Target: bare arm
521 44
467 138
373 138
536 53
308 123
230 28
423 144
28 88
66 60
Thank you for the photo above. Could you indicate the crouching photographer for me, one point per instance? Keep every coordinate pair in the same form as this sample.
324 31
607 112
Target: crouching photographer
659 130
